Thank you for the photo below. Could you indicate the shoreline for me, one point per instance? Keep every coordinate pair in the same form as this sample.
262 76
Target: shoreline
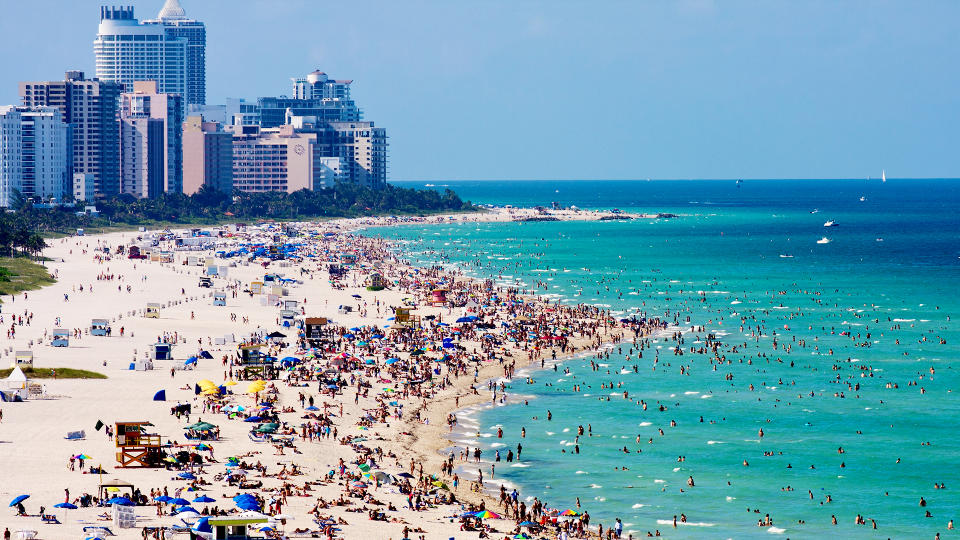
81 267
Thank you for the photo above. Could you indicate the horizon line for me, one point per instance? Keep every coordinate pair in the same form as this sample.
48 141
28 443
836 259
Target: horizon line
665 179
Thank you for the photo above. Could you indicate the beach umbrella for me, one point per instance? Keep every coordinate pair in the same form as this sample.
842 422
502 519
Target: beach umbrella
312 408
441 485
276 335
187 476
486 514
231 383
65 505
202 525
179 501
82 456
163 499
19 499
122 501
392 361
191 360
527 524
204 499
247 504
266 528
569 512
187 509
160 396
253 419
522 536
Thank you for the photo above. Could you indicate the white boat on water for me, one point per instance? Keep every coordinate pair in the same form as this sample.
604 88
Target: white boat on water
862 198
823 240
883 176
831 223
785 256
815 210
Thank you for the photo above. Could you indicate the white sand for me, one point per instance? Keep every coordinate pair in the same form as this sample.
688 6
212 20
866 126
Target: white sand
35 454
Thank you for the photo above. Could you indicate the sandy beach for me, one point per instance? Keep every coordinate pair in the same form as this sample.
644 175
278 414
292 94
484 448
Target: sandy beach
401 427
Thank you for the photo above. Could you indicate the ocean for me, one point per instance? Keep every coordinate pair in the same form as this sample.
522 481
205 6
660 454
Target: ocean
842 353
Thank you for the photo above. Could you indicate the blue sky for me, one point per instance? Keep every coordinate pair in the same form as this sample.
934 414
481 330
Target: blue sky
557 89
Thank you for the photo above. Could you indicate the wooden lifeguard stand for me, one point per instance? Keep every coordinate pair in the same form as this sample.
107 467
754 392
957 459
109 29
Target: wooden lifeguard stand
255 362
153 311
403 316
136 447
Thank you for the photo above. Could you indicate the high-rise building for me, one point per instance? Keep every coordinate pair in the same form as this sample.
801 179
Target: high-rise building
141 156
127 51
314 95
176 24
146 102
207 156
280 159
90 108
360 147
34 157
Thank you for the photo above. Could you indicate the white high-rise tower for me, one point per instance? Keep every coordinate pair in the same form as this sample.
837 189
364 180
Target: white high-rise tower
127 51
175 22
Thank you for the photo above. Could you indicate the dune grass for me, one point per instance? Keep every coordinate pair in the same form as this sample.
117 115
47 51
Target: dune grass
19 274
62 373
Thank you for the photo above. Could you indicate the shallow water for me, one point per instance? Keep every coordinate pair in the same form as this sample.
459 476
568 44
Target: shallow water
891 270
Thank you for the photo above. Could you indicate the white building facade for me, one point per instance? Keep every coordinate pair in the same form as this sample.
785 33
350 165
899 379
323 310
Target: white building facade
127 51
34 153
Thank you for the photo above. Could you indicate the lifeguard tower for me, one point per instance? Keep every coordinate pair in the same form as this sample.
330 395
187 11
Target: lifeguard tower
61 338
348 258
403 316
256 287
99 327
153 311
24 358
255 362
438 297
290 304
313 329
376 281
219 298
238 527
136 447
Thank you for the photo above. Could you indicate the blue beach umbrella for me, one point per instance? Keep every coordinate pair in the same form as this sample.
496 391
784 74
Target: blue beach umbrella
187 476
163 499
204 499
65 505
122 501
202 525
19 499
179 501
187 510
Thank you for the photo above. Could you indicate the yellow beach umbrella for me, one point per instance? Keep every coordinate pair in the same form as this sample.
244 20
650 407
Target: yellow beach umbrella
231 383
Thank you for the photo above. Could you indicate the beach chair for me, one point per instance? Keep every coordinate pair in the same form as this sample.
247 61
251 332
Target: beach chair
24 534
76 435
50 519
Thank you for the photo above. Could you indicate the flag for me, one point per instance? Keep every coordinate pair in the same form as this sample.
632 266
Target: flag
99 425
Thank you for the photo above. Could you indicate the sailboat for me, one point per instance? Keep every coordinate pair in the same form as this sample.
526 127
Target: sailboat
883 176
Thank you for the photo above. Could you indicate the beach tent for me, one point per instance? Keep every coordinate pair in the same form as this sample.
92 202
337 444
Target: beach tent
160 396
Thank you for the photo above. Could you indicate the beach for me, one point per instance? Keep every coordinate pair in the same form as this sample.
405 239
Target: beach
97 284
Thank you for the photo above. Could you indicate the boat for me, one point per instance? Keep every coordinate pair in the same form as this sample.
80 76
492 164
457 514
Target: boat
823 240
862 198
815 210
883 176
785 256
831 223
739 182
429 185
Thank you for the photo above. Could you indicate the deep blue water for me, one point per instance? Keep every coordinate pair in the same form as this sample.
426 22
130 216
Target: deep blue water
891 270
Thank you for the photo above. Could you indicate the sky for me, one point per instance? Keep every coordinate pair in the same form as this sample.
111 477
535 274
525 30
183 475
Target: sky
592 89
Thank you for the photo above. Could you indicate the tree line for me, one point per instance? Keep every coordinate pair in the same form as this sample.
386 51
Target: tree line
23 226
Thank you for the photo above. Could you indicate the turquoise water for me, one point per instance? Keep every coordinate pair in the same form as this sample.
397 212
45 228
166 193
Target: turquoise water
891 272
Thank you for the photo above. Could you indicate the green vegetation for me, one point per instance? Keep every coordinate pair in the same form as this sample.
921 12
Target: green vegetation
22 231
20 274
62 373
